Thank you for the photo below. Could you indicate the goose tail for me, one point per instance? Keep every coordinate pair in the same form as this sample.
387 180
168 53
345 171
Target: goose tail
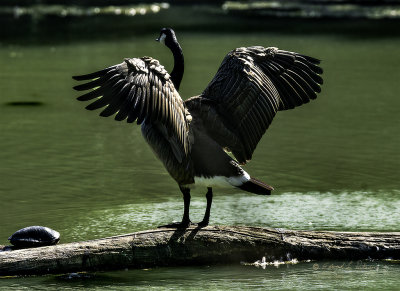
257 187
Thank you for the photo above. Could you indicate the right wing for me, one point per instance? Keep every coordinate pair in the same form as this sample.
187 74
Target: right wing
137 89
251 85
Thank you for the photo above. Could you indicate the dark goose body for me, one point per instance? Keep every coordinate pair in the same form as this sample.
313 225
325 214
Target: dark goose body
192 137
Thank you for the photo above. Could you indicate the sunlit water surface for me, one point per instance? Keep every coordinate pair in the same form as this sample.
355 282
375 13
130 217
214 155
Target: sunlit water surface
334 162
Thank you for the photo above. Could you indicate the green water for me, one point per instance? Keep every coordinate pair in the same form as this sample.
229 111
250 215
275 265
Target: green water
334 163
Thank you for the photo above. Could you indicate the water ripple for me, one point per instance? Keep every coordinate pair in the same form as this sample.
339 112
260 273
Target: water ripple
345 211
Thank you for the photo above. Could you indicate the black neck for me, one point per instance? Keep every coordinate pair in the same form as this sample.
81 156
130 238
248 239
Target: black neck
177 72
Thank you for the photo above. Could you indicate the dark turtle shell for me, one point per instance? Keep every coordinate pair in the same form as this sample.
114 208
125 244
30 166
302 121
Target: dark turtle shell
34 236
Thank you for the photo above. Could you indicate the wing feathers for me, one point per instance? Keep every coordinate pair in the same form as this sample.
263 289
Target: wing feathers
92 75
311 63
90 85
92 94
251 85
314 75
116 104
303 85
137 90
134 109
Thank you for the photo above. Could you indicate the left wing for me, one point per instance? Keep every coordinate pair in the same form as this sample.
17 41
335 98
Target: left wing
137 89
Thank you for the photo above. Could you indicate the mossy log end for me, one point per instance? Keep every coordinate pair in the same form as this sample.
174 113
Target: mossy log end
196 246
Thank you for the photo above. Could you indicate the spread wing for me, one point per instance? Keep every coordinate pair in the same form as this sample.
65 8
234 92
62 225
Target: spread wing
251 85
137 89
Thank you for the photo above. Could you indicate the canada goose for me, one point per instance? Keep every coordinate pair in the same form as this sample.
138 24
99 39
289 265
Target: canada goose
192 137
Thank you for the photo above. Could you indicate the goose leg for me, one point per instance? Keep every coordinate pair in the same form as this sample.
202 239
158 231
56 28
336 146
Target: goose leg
206 218
186 204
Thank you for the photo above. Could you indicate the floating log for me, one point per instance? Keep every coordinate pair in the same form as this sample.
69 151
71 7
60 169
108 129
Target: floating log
198 246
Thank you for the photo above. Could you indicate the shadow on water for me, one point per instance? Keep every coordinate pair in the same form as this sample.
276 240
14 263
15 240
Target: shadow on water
24 103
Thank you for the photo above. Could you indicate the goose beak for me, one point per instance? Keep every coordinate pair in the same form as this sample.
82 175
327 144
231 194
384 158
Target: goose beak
161 38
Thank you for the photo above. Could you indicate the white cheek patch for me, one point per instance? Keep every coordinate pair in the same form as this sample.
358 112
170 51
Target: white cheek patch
162 38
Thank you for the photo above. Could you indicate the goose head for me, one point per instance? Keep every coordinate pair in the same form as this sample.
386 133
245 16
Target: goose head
167 37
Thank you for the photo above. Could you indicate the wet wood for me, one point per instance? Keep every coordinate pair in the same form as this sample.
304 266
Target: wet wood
193 246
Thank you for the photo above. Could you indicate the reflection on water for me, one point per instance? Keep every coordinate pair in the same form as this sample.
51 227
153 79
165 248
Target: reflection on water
41 11
352 275
314 9
334 162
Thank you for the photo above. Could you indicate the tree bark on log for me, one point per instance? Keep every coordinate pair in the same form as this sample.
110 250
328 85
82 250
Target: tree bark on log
198 246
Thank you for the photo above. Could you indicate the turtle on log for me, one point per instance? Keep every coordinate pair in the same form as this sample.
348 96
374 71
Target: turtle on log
34 236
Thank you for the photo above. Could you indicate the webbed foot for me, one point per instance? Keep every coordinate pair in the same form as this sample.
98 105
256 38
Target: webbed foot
178 225
202 223
183 225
